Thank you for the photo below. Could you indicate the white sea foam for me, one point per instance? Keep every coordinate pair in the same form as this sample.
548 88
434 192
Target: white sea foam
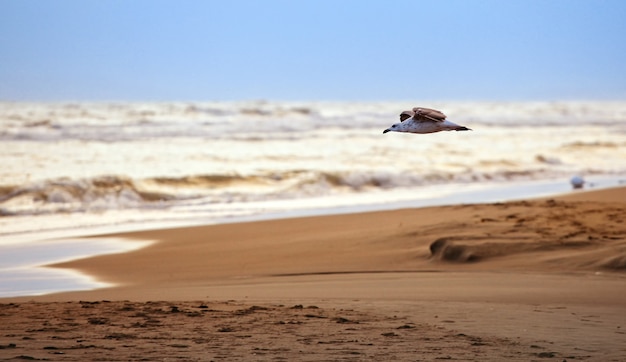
130 162
21 272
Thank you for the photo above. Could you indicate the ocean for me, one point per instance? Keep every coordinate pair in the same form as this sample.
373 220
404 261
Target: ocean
73 167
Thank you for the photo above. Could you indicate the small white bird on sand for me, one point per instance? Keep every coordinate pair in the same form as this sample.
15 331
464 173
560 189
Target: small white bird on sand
577 182
424 120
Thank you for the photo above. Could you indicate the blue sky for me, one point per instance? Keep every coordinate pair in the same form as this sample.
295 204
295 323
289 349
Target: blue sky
68 50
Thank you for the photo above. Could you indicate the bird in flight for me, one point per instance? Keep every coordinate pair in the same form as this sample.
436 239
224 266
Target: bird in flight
424 120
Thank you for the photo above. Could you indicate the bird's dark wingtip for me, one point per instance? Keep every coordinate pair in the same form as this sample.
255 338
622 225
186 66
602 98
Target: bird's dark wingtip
463 129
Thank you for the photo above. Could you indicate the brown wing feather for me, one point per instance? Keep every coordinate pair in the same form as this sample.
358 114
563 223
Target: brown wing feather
428 114
406 115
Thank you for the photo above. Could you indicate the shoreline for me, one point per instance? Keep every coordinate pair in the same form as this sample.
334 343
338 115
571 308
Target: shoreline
522 280
37 270
259 234
425 196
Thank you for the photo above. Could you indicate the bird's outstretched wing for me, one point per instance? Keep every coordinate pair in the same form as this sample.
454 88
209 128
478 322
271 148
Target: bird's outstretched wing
423 114
428 114
406 115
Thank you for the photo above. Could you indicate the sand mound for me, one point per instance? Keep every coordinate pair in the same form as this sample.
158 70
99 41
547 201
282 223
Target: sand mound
581 234
617 262
453 249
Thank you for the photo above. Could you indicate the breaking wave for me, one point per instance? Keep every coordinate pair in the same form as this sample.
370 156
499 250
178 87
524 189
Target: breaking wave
165 161
119 122
65 195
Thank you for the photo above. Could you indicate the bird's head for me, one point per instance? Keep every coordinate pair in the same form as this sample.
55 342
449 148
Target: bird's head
397 127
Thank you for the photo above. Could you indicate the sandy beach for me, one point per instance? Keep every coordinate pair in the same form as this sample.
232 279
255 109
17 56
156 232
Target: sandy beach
284 181
526 280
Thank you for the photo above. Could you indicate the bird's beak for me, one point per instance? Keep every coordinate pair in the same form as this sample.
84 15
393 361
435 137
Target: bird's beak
387 130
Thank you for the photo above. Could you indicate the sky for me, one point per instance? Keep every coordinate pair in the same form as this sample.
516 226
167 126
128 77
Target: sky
346 50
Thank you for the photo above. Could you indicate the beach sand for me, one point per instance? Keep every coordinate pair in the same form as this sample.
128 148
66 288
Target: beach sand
527 280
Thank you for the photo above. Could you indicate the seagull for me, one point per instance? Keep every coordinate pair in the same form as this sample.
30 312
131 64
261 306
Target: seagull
424 120
577 182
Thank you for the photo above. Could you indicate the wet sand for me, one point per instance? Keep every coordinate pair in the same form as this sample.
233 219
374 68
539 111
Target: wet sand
525 280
